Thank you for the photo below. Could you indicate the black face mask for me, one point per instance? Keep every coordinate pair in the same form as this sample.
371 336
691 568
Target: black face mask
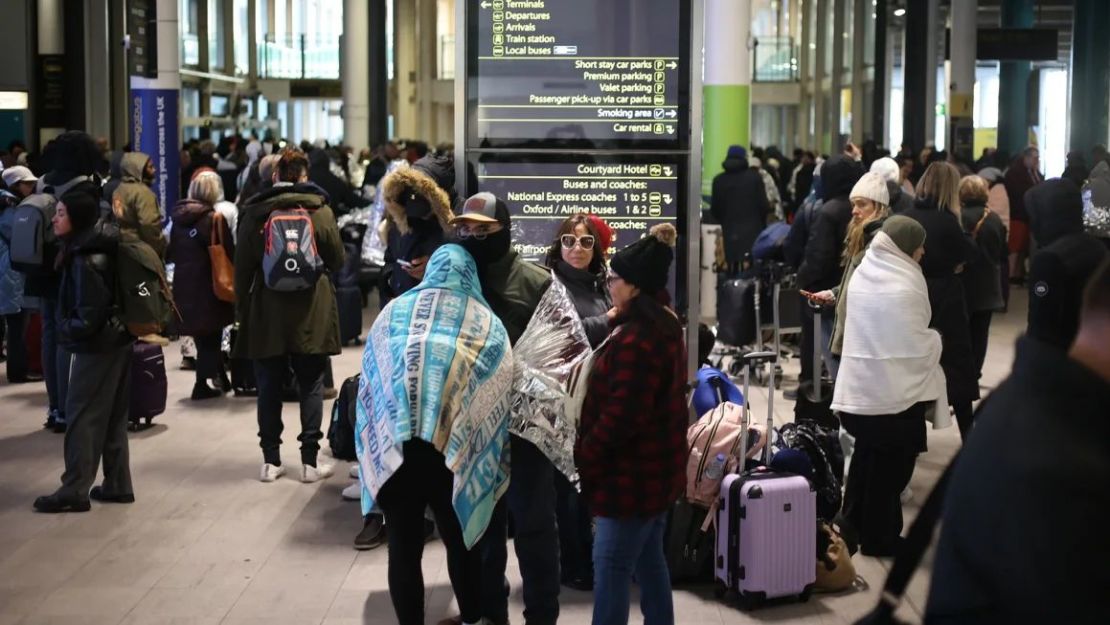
489 250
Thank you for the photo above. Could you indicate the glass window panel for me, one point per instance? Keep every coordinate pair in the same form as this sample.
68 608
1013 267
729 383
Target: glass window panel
219 105
216 60
189 27
242 46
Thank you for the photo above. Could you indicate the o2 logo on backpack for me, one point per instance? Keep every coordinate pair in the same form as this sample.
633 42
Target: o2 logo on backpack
292 266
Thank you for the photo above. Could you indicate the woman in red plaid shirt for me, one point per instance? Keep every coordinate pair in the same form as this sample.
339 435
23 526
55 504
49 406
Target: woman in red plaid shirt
631 448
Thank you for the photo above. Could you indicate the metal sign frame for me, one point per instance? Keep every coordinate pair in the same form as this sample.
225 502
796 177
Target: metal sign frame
693 155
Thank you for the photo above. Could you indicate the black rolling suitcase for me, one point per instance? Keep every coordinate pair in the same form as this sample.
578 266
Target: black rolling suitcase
735 310
815 403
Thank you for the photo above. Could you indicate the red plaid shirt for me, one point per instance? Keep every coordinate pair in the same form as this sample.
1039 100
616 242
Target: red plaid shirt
631 448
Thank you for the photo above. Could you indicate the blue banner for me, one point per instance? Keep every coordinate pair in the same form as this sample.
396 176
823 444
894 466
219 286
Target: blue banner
155 132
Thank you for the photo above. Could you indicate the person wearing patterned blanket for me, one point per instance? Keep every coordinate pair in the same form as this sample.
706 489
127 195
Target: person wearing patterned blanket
432 429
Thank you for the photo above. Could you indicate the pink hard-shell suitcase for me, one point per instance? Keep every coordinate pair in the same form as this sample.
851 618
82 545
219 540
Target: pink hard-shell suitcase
766 526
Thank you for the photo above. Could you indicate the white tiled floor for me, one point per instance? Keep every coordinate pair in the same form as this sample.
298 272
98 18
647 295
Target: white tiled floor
206 543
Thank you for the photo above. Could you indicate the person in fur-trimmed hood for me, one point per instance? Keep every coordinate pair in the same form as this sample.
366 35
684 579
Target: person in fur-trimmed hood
419 202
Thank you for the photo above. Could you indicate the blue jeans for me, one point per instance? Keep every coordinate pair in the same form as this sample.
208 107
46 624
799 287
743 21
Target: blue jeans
55 361
623 547
531 501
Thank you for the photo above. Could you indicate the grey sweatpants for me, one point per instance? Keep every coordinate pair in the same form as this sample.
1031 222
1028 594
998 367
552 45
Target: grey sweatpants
97 407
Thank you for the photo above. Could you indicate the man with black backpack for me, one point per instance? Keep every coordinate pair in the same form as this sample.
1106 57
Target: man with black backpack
71 159
288 238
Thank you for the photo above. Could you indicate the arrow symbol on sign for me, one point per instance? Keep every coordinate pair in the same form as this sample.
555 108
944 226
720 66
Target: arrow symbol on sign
486 5
667 199
670 129
672 65
668 171
672 114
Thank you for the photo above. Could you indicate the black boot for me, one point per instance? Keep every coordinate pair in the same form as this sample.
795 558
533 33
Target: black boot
52 504
97 493
205 390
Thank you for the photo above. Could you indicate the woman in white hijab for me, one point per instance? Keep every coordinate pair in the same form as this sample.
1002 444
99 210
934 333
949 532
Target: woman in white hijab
889 377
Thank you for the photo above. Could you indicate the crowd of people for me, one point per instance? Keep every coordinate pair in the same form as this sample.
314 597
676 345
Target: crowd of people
906 260
550 397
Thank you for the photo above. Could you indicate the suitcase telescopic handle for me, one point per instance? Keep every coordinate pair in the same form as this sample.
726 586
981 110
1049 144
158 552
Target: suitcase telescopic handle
756 359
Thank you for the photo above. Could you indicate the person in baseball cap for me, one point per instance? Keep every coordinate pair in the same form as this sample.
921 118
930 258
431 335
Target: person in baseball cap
483 228
20 181
513 289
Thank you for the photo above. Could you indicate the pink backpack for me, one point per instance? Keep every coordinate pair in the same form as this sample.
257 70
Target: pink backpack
714 441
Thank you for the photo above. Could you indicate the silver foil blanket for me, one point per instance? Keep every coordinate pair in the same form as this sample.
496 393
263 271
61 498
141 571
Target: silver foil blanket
552 345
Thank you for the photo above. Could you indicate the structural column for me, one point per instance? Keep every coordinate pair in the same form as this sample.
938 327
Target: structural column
378 73
405 75
426 69
861 14
961 79
880 93
356 74
918 72
155 108
1090 76
726 84
932 14
1013 84
50 91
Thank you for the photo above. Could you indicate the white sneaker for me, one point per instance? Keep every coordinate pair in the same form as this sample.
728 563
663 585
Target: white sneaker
271 472
353 472
321 471
353 492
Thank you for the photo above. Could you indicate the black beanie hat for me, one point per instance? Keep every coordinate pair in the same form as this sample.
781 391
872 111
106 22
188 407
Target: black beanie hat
645 263
83 209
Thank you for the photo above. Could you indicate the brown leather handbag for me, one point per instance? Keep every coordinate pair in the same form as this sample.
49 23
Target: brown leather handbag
223 272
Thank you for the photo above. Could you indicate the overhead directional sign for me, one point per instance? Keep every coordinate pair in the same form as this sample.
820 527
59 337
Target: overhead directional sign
631 194
601 74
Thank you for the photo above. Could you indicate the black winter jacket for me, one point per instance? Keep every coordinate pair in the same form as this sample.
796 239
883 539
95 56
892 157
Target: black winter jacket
591 300
739 203
1060 269
1022 529
947 247
982 281
821 269
87 305
202 313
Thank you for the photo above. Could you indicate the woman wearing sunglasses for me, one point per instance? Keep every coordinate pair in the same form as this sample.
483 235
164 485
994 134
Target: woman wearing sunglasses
577 258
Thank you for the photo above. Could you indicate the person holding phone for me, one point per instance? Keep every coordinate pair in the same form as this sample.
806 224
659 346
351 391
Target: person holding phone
870 206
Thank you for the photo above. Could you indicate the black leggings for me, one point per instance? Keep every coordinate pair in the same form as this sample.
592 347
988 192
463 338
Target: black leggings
423 480
882 465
